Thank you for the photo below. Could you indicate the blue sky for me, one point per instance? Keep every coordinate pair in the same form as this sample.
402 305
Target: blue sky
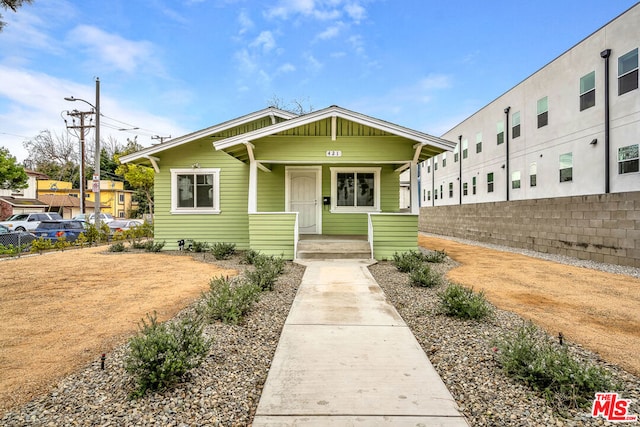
170 67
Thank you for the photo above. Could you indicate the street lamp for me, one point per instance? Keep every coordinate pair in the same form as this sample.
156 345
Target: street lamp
96 173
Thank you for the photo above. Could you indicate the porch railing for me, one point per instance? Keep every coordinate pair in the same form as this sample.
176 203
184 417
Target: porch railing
392 232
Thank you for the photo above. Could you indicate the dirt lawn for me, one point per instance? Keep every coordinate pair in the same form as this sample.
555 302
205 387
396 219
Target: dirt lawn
61 310
600 311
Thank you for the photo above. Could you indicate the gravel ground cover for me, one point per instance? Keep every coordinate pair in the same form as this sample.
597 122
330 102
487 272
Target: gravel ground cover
225 390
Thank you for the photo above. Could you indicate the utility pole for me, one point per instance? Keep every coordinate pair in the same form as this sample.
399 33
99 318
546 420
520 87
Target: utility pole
81 128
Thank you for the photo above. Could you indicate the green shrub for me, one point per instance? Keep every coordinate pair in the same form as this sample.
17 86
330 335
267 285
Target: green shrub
61 244
200 246
162 353
535 359
270 262
435 257
12 250
92 234
139 244
425 277
153 246
40 245
228 301
81 240
250 257
223 250
117 247
461 302
407 261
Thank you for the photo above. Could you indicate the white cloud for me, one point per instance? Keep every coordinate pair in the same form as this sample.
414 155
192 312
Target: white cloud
329 33
434 82
355 12
245 22
265 41
113 51
317 9
245 61
312 63
286 68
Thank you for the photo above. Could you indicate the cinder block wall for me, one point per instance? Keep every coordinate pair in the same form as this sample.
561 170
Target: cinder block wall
603 227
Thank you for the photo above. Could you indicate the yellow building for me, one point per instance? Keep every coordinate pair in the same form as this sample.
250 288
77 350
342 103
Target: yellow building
114 199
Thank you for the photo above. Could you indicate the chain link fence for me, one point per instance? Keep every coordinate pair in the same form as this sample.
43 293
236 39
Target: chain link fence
16 239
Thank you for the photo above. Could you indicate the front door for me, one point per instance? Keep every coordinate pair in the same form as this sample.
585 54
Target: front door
303 196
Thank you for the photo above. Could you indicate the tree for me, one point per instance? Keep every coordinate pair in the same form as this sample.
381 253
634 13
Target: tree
140 177
11 4
12 175
296 106
54 155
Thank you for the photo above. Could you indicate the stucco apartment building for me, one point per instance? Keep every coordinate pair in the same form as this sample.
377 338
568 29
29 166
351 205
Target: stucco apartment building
552 164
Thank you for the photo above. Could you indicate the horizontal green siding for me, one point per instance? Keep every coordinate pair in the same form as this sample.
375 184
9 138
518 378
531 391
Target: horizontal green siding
273 234
343 127
394 233
271 187
230 226
353 148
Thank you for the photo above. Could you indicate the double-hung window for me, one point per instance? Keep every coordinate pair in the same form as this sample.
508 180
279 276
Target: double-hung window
515 180
500 132
479 142
628 72
628 159
465 149
543 112
588 91
515 127
566 167
533 174
456 153
444 160
490 182
195 191
355 189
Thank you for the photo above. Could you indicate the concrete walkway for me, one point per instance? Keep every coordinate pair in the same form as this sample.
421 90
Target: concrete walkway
346 358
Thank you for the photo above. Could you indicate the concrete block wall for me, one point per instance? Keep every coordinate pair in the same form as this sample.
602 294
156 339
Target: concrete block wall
601 227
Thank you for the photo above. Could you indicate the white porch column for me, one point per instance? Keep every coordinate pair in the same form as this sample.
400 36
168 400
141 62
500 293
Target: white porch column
415 196
253 187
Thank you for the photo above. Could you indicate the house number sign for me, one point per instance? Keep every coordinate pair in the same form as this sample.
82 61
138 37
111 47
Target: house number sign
334 153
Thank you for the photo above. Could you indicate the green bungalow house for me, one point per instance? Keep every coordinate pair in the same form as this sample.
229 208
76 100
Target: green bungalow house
271 179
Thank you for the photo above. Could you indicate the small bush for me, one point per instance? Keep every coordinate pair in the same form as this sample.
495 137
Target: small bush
250 257
81 240
152 246
117 247
138 244
223 250
461 302
12 250
200 246
425 277
40 245
407 261
228 301
435 257
270 262
534 358
162 353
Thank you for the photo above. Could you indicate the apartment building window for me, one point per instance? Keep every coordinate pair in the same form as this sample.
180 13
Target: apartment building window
566 167
479 142
456 153
500 132
588 91
444 160
490 182
121 198
450 189
473 185
441 191
628 72
465 149
543 112
533 174
429 166
628 159
515 180
429 195
515 128
435 163
465 188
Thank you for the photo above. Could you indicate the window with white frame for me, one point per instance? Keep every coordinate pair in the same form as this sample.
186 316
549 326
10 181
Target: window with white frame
479 142
456 153
533 174
121 198
500 132
588 91
444 160
515 180
355 189
435 163
628 159
195 191
628 72
450 189
515 127
473 185
543 112
465 188
465 149
566 167
490 182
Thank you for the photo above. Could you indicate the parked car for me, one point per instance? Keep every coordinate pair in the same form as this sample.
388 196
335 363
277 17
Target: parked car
81 217
104 218
54 229
28 221
15 238
123 225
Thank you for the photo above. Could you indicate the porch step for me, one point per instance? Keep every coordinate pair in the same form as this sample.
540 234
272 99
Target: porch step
338 248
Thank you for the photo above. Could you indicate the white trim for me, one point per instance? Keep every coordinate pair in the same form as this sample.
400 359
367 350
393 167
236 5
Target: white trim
348 209
195 171
287 195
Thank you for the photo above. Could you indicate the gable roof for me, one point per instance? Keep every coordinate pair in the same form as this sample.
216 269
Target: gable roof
271 112
23 202
66 201
439 144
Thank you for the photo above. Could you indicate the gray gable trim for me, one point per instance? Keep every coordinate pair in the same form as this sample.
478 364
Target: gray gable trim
266 112
335 111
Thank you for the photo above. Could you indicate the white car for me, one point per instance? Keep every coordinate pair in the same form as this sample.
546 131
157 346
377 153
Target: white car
28 221
104 218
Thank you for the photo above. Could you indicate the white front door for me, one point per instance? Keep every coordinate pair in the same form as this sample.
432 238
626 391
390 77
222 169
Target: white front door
303 196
